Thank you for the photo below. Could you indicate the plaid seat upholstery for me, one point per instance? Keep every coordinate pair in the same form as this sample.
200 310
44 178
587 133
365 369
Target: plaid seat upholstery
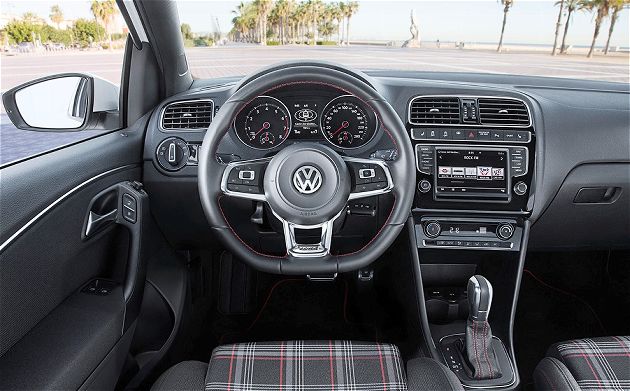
306 365
586 364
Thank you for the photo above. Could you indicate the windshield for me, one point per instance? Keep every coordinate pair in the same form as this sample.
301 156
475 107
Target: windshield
588 38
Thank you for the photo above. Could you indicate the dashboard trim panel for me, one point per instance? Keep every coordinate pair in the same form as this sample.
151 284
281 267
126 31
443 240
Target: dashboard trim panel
529 111
184 130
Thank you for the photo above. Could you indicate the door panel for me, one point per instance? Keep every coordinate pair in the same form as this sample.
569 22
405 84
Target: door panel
53 335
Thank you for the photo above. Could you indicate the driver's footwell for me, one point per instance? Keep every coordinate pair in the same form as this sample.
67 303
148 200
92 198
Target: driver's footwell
296 308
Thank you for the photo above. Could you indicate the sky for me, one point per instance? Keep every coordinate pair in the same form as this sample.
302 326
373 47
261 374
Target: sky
529 21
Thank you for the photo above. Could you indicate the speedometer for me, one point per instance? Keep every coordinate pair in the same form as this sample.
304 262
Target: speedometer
264 124
346 122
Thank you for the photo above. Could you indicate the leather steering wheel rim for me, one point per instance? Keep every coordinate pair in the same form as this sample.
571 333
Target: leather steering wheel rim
211 171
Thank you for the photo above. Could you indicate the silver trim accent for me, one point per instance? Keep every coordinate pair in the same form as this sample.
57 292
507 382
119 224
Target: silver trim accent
307 179
187 130
32 221
478 146
316 278
288 113
322 248
238 194
251 175
424 244
96 221
529 111
529 137
321 127
318 250
388 175
366 173
477 298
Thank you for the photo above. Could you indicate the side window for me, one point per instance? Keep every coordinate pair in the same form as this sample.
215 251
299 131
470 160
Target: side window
61 68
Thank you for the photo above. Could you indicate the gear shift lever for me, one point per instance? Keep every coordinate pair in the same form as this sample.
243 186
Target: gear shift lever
479 349
479 298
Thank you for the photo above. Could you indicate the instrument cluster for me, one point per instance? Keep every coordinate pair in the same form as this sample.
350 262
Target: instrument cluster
344 121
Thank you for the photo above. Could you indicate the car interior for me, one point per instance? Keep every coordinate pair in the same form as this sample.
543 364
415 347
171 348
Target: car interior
311 226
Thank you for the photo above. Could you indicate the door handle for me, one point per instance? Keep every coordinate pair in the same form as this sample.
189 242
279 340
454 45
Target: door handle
96 222
102 211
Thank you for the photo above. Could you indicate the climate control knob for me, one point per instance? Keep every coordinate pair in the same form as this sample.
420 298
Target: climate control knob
172 154
505 231
432 229
424 186
520 188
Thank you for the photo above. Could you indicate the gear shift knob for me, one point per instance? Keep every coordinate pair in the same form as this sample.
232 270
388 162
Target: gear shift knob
479 298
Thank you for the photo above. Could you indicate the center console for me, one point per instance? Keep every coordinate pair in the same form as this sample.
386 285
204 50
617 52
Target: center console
475 160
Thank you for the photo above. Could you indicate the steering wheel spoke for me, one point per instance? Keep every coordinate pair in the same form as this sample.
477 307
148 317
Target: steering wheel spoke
370 177
244 179
308 250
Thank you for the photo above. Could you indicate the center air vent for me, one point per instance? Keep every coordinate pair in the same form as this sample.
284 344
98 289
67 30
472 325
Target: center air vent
502 111
434 110
188 115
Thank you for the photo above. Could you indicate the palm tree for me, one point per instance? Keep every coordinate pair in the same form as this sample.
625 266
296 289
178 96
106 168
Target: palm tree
602 8
507 4
315 8
572 6
104 12
56 15
339 15
284 9
263 7
352 7
300 15
558 25
616 7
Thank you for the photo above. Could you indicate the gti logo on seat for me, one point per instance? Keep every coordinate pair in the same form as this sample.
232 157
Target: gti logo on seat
307 179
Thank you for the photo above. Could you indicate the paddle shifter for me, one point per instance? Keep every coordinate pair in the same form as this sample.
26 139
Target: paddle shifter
479 351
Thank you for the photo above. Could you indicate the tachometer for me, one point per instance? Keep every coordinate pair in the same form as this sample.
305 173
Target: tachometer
265 124
347 123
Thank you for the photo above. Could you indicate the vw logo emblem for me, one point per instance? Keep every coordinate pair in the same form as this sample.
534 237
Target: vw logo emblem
305 115
307 179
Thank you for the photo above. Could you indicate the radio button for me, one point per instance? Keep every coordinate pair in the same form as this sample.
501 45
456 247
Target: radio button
496 135
432 134
483 134
509 135
523 136
419 133
520 188
432 229
471 135
505 231
445 134
459 134
424 186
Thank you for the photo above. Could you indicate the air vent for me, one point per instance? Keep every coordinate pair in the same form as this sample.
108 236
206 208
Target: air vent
504 112
188 115
434 110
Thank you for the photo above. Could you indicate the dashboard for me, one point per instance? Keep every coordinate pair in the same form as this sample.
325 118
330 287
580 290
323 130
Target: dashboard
518 148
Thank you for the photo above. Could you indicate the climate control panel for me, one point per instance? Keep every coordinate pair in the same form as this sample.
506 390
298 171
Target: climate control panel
468 233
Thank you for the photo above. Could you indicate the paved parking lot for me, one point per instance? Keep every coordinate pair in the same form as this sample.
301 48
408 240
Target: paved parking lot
241 60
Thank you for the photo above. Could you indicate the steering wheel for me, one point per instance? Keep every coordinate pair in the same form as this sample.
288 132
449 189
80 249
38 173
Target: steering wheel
307 185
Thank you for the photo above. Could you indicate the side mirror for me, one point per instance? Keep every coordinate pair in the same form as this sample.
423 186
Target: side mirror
63 102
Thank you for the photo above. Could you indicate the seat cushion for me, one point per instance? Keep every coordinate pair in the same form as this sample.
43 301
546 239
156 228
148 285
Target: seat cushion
591 363
309 365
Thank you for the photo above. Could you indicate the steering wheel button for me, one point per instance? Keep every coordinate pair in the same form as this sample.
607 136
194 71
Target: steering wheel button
247 175
366 173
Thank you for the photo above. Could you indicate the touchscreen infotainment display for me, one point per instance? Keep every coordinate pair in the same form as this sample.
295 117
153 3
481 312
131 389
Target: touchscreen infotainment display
464 172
